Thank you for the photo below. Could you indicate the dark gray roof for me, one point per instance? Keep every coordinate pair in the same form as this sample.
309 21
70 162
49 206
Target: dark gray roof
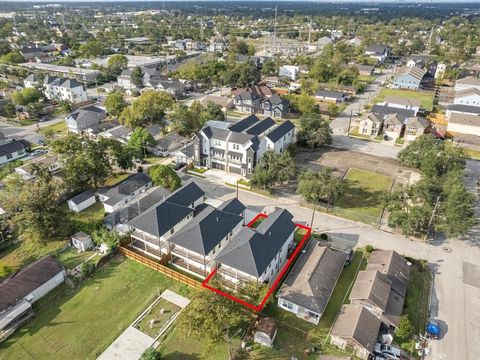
244 124
233 206
330 94
277 133
26 280
186 195
377 49
13 146
171 141
252 250
126 187
161 218
239 138
261 127
313 278
206 230
78 199
382 111
87 117
464 108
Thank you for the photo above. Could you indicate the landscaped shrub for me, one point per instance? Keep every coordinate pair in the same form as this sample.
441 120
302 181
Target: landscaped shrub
369 248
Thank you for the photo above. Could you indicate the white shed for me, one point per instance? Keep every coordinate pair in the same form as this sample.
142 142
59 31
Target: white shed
82 201
82 241
266 332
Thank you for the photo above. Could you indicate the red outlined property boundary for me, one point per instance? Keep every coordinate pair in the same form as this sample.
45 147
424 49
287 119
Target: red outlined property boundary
279 277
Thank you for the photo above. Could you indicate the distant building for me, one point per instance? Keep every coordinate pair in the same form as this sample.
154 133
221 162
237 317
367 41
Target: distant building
378 52
13 150
82 120
331 96
289 71
410 78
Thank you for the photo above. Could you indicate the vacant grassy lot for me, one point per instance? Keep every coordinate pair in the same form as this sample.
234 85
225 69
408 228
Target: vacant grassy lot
59 128
81 323
155 313
96 212
426 99
361 199
71 258
21 254
294 334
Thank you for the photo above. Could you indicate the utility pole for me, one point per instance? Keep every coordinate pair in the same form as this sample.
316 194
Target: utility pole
275 30
349 122
309 35
313 216
431 217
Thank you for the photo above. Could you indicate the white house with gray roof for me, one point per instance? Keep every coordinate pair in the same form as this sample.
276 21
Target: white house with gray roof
257 254
309 285
13 150
64 89
82 120
236 148
195 247
125 191
152 229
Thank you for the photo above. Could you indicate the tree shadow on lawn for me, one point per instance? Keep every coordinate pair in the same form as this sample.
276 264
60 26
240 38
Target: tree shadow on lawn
180 356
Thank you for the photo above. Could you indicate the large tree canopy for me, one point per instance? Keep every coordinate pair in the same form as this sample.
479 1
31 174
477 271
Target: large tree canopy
313 132
149 108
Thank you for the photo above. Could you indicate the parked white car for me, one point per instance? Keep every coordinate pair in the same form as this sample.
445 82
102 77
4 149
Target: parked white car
387 351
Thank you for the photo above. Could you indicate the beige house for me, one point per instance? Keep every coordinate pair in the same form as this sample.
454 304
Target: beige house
356 328
464 123
414 127
393 126
371 125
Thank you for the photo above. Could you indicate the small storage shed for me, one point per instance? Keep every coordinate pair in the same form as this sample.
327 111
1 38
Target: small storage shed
82 241
82 201
266 332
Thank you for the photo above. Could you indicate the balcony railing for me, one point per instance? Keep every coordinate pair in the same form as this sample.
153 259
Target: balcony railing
184 265
187 255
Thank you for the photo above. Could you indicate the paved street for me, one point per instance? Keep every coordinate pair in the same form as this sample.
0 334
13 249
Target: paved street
365 146
28 132
340 124
455 303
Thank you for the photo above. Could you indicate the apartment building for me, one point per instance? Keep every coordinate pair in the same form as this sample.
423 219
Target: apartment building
63 89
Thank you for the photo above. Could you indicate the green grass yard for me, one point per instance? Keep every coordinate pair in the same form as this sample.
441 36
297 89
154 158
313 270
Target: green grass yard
59 128
425 98
81 323
71 258
361 199
169 309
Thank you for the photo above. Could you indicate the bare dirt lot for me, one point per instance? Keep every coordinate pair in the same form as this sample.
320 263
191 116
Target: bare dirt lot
342 160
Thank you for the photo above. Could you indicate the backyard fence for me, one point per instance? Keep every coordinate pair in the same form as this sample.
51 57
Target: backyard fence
159 267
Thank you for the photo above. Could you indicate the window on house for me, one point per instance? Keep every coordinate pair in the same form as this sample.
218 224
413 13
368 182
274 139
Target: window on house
172 230
9 156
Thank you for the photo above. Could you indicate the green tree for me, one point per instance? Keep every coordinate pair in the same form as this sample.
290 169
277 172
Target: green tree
117 63
316 186
26 96
149 108
405 328
123 155
108 237
313 132
92 48
306 104
115 103
184 120
34 207
212 111
13 57
274 167
137 77
333 110
165 176
151 354
139 141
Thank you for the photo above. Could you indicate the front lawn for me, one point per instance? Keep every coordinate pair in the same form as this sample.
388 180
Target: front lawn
23 253
81 323
425 98
361 199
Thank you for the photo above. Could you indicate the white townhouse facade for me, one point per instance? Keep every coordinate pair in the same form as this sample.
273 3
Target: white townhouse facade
468 97
236 148
63 89
469 82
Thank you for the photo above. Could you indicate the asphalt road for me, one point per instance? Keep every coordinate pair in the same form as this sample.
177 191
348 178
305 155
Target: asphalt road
455 302
28 132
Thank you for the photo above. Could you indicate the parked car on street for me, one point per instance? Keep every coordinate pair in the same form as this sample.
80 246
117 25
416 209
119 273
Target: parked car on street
387 351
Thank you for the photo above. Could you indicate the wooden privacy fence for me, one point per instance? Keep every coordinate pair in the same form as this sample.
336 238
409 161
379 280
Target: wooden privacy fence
159 267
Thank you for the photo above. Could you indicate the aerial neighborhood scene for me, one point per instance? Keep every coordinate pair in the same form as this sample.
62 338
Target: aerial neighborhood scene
214 180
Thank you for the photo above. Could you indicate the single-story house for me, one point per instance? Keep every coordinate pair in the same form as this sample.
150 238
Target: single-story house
82 241
266 332
378 52
331 96
50 162
168 144
125 191
19 291
13 150
356 328
224 102
82 201
365 70
309 285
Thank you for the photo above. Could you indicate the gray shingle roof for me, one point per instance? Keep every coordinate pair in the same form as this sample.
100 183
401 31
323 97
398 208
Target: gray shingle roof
29 278
233 206
464 108
186 195
244 124
313 278
382 111
206 230
282 129
78 199
252 250
13 146
126 187
261 126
